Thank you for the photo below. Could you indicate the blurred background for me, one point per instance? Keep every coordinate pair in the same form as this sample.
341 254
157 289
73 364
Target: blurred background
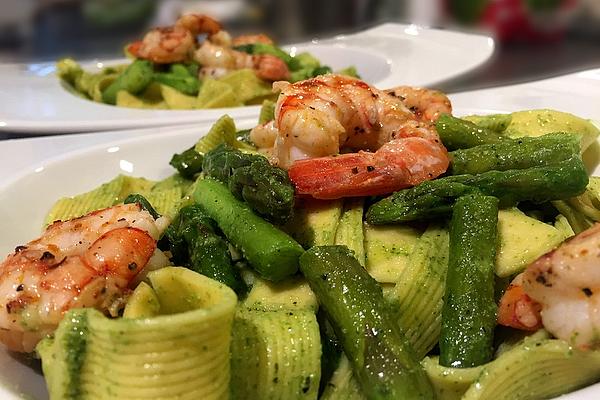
535 38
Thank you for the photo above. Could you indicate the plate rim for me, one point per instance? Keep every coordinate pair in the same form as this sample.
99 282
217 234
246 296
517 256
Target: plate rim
584 393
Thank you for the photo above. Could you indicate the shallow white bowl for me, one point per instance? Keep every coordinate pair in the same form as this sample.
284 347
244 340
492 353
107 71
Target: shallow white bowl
33 100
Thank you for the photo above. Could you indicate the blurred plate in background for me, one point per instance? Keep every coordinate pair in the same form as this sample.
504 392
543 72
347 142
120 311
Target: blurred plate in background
34 102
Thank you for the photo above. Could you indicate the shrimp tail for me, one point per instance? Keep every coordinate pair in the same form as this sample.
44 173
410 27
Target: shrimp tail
396 165
134 48
517 310
270 67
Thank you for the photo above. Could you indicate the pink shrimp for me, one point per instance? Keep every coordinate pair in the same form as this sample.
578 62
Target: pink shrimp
426 104
217 60
165 45
250 39
517 309
85 262
316 118
199 23
565 285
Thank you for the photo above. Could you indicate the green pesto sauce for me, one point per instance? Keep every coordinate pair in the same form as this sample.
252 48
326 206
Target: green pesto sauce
75 346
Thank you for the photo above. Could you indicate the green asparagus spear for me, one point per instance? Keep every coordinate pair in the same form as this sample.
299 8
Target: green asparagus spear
134 79
457 133
209 253
383 362
270 251
469 312
183 70
434 198
220 162
143 202
185 84
515 154
194 243
264 48
187 163
251 178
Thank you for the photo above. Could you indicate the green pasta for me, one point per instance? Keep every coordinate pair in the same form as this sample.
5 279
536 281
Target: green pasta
93 357
275 355
418 296
538 368
349 232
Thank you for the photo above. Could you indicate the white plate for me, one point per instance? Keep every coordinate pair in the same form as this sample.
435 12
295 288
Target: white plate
577 93
26 198
33 100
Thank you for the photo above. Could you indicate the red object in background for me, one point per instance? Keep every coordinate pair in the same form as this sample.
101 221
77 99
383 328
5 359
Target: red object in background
523 20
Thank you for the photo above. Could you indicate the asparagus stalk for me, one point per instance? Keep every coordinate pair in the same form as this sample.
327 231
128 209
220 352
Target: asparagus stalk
515 154
383 361
562 180
187 163
133 79
458 133
270 251
193 242
469 311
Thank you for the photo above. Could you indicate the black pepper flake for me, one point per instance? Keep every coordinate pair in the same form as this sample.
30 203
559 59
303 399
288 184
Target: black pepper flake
275 380
132 266
20 248
306 385
121 220
587 291
47 256
370 168
355 170
20 288
311 107
542 279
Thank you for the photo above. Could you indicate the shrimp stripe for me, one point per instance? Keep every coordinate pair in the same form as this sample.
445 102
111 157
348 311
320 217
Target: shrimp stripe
469 312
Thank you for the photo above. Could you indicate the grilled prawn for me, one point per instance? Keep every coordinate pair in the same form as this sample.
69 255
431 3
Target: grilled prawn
561 292
85 262
315 119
